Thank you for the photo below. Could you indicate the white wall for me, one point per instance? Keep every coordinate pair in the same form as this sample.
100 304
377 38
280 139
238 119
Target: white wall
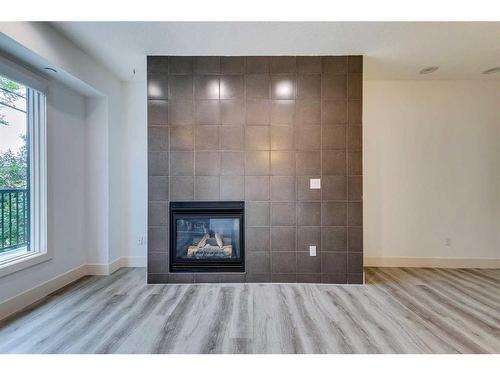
66 188
431 169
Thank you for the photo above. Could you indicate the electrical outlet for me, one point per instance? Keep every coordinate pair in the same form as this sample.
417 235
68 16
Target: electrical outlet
315 183
140 240
447 241
312 251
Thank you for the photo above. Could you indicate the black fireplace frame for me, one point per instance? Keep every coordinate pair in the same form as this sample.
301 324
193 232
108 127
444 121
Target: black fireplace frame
231 209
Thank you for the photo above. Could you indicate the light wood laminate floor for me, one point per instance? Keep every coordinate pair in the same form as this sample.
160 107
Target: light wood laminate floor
397 311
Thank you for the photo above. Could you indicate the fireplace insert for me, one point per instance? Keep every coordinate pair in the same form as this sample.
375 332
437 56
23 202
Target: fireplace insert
207 237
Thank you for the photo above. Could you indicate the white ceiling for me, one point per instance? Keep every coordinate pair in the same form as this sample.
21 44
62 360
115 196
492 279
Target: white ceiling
397 50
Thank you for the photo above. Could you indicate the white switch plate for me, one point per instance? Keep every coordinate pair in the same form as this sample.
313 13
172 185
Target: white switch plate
312 251
315 183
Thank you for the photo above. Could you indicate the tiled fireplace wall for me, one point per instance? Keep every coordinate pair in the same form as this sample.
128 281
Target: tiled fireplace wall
257 129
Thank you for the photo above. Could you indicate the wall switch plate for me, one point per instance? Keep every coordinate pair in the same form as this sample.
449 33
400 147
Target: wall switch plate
312 251
315 183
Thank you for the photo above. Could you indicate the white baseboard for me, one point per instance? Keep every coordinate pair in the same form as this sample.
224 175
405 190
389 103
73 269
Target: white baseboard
431 262
32 295
24 299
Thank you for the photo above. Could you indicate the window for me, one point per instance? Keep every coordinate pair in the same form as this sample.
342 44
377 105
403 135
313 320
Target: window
22 176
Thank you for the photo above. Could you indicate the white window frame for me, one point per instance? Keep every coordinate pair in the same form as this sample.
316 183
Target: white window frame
37 135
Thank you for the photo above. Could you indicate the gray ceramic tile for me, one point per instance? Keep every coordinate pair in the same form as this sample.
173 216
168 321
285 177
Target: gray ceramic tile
334 263
256 163
354 138
283 64
232 64
334 112
309 86
158 188
333 239
206 138
258 262
333 213
258 278
207 163
157 239
181 188
308 236
257 138
355 188
308 162
206 87
180 278
180 87
333 137
308 112
232 187
308 137
283 213
355 262
284 278
355 87
207 188
257 112
284 262
232 163
157 112
257 86
309 278
283 239
157 262
336 278
334 86
354 163
355 238
355 278
282 138
282 112
283 188
231 138
158 138
355 64
158 163
207 112
282 163
207 65
257 213
257 188
334 64
309 213
257 239
181 112
308 64
157 65
181 65
257 64
157 213
182 163
307 263
333 162
355 112
334 188
355 214
158 87
282 87
304 192
182 138
231 87
232 112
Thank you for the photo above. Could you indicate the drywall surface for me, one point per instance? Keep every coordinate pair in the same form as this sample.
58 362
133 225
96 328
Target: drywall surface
431 169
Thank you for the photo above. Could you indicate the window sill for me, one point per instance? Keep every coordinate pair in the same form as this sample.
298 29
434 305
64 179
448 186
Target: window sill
20 260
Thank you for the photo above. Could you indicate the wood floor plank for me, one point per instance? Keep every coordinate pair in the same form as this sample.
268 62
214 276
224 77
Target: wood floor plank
399 310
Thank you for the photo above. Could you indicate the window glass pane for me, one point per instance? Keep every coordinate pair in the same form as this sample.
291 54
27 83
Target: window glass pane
14 167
